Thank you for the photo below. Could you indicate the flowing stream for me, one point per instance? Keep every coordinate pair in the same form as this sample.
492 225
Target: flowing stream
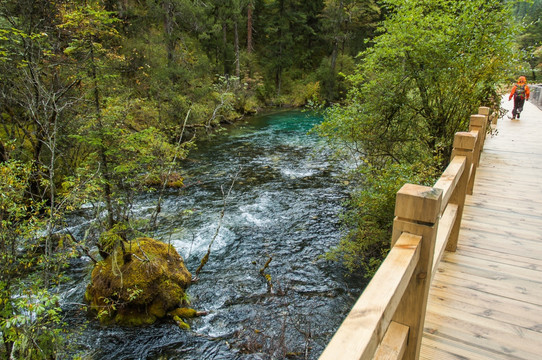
283 205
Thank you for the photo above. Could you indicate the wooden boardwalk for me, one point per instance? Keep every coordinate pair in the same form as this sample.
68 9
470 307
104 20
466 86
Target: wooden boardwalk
485 300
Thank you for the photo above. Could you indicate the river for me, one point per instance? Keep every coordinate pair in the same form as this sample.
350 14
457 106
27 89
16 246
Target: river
283 205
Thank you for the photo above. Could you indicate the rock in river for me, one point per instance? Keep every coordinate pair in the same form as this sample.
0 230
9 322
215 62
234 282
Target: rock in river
140 288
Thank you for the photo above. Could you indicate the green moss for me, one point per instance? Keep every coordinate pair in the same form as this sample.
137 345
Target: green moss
181 323
139 291
134 317
88 297
157 309
184 313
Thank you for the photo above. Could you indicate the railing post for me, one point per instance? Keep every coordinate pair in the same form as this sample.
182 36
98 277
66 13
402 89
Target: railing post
484 110
464 143
478 122
417 210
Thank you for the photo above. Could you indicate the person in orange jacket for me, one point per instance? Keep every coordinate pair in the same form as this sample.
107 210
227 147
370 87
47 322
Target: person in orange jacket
520 92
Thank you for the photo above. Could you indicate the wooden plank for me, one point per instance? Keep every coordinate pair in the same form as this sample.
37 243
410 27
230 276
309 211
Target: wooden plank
445 227
507 311
465 140
501 258
502 204
449 179
505 201
500 243
520 227
494 225
524 196
512 187
393 345
492 160
495 269
519 170
503 191
516 276
484 110
443 348
482 238
505 289
492 194
509 236
363 328
484 333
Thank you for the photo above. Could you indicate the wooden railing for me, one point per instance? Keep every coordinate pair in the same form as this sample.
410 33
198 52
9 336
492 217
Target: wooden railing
536 95
387 320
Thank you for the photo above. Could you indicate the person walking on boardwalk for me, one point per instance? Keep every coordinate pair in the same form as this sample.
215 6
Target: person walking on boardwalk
520 92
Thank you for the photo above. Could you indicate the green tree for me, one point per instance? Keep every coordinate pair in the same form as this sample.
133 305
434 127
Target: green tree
347 25
528 17
283 23
30 319
90 26
125 152
37 97
432 65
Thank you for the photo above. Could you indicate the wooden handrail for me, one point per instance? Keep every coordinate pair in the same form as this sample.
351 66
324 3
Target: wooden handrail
387 320
365 326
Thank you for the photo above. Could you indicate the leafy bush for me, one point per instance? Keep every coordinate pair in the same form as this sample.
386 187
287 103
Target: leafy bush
369 216
303 93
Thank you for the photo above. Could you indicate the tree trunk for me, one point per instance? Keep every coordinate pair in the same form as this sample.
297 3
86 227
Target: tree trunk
225 48
249 27
237 57
3 153
278 74
123 8
334 54
168 31
103 157
278 80
335 51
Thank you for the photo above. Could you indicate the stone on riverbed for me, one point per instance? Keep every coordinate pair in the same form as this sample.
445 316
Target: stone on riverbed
151 284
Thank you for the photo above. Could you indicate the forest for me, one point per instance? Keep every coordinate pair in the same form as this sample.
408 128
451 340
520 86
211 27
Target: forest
100 100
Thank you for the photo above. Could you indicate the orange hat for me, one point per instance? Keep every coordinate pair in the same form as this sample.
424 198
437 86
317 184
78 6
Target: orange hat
522 80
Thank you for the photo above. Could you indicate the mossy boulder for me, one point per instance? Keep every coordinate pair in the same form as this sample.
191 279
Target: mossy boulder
139 288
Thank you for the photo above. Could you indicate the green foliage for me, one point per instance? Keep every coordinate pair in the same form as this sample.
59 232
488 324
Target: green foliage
334 82
429 69
30 318
368 220
346 25
528 15
33 324
19 222
304 93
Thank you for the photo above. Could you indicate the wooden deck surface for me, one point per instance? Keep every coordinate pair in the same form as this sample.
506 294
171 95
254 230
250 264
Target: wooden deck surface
485 300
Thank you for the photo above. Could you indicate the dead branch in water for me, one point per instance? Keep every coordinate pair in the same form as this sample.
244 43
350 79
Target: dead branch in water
267 277
224 198
158 207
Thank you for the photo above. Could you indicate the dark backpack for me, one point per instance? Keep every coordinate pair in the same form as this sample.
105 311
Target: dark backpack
520 91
